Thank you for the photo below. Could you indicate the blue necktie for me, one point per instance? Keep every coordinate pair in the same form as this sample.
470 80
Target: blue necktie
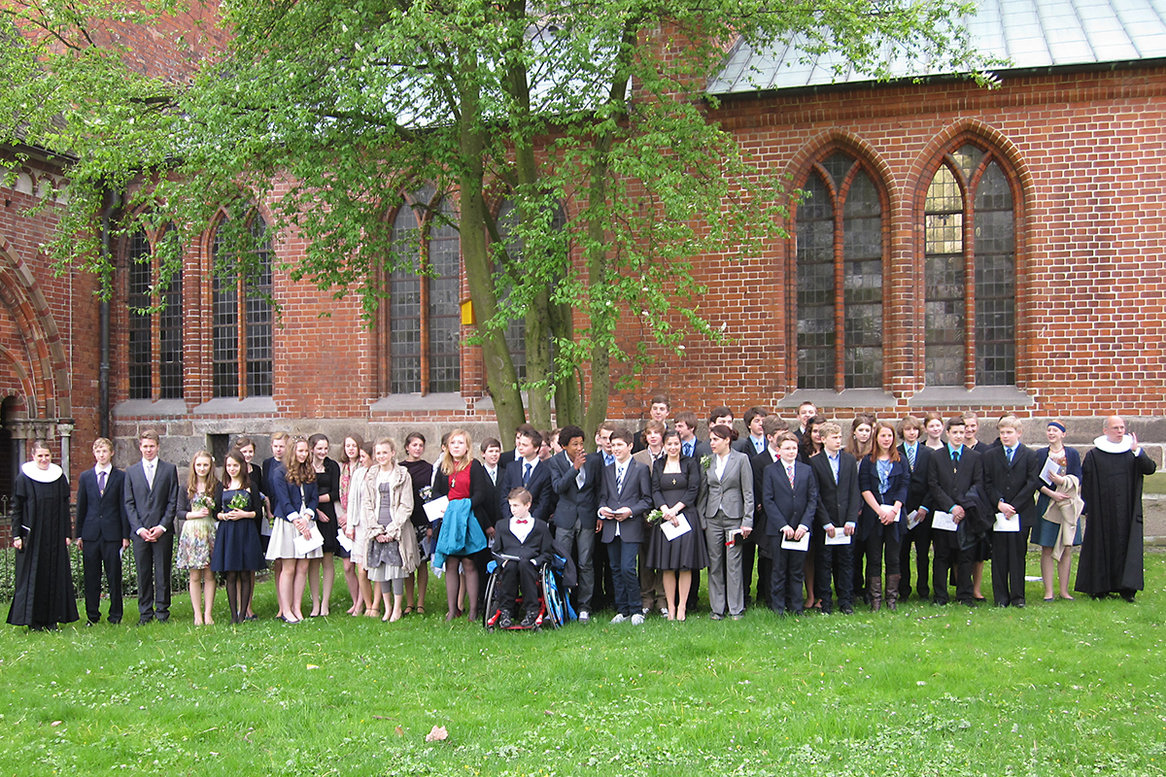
687 449
1009 451
101 482
619 473
526 475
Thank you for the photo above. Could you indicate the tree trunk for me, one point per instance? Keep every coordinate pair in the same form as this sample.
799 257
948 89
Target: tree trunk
568 385
539 383
501 381
602 319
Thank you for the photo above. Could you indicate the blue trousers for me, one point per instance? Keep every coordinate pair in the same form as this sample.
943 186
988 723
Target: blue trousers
622 556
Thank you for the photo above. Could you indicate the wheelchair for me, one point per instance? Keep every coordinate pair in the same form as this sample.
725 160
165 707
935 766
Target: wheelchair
554 606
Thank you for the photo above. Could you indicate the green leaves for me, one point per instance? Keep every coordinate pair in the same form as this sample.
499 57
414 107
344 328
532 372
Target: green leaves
589 118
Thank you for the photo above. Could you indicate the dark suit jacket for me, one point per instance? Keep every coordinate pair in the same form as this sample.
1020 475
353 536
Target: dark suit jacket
949 485
1014 483
744 444
102 516
917 488
700 448
542 490
786 507
838 503
732 492
575 506
897 486
760 463
149 507
636 494
538 546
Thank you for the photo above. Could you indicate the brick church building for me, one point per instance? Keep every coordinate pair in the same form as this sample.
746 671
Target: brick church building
959 248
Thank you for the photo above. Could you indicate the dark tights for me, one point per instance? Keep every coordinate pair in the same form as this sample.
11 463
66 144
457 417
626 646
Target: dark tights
239 588
470 574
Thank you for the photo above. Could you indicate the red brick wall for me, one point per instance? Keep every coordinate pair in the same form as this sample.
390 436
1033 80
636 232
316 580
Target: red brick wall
48 324
1085 152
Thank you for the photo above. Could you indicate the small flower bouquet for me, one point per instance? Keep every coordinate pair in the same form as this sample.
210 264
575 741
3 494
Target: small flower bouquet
238 502
706 462
655 517
201 502
426 493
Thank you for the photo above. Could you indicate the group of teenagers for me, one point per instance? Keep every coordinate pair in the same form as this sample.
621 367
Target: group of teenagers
824 519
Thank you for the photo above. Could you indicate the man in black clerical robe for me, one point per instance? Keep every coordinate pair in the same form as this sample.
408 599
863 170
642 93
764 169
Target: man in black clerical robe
1111 485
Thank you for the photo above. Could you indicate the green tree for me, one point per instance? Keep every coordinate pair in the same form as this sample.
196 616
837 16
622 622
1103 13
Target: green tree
588 117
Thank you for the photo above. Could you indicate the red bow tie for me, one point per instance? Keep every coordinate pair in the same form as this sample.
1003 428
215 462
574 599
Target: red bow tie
522 520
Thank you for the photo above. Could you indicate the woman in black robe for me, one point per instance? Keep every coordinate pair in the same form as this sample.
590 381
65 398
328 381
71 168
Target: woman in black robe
40 531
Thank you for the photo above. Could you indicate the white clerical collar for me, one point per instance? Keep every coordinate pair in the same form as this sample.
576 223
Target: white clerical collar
1103 443
49 475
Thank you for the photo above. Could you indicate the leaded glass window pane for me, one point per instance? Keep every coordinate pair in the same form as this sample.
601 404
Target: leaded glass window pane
862 284
444 304
944 315
138 299
995 264
838 165
405 306
815 286
967 159
859 244
170 335
225 326
259 319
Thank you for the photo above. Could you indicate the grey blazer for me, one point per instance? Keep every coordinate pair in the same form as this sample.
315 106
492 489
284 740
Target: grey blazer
732 492
149 507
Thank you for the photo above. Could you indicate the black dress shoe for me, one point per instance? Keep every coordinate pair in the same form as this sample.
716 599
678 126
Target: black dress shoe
142 621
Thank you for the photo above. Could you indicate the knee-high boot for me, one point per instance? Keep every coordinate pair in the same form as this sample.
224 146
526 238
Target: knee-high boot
893 591
874 589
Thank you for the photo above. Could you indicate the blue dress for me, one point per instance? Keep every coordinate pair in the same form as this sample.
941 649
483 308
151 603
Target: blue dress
237 544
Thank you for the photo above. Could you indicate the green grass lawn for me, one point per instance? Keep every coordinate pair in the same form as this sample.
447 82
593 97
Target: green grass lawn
1067 688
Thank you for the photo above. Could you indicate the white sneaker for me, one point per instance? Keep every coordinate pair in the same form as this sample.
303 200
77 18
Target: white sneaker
637 620
584 616
621 618
664 611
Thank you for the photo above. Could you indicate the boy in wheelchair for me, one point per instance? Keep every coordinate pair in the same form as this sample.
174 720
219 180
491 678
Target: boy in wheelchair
523 546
